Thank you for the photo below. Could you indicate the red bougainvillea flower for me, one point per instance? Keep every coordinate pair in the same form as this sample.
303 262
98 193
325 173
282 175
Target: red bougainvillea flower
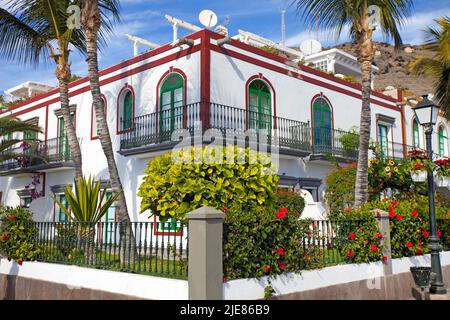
280 215
5 237
378 235
419 251
282 266
374 247
439 233
393 202
426 233
414 213
391 212
225 209
351 236
20 261
378 214
284 210
280 251
12 218
384 259
350 253
409 245
266 267
348 209
399 217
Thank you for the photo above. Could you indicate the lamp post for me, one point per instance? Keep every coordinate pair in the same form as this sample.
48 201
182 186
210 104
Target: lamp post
426 114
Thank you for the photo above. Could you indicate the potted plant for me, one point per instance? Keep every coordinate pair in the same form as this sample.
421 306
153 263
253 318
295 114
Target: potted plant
420 165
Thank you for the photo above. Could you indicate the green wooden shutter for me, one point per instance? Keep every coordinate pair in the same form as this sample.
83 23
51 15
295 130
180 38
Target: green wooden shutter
62 217
171 105
259 106
383 140
416 135
442 141
322 125
127 111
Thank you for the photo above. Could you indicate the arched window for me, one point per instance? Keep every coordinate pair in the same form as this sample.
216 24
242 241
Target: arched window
259 106
171 104
443 140
416 134
94 127
126 110
322 117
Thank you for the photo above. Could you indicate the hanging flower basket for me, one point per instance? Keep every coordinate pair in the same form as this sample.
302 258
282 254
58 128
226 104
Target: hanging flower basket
419 175
421 276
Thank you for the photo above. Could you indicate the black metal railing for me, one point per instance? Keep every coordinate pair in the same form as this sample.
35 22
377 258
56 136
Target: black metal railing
336 143
158 127
155 248
38 153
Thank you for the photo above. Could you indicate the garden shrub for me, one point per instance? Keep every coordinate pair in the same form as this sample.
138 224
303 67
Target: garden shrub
66 238
265 242
17 232
174 188
350 143
291 200
340 189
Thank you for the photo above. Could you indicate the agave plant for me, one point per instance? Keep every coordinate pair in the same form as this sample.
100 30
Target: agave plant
87 203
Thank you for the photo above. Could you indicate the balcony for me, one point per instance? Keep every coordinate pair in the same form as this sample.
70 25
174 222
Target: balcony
150 133
39 157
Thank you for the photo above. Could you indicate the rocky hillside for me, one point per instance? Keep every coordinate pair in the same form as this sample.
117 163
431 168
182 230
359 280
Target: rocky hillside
393 66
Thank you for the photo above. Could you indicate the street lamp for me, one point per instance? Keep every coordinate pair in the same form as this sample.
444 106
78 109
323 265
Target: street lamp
426 114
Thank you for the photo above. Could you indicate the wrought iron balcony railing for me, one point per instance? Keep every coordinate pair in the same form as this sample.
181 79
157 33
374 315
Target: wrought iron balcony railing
39 153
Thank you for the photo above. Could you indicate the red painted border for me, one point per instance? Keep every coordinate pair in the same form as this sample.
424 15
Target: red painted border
105 101
205 78
125 74
127 87
46 124
265 54
157 233
161 80
274 97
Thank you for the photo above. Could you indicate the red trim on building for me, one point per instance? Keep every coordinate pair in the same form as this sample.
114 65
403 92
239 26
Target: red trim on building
205 78
126 87
105 101
158 86
274 97
322 84
46 124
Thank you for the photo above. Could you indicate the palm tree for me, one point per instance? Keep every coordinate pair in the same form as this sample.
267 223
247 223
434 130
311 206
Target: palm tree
33 30
8 126
335 15
438 66
91 13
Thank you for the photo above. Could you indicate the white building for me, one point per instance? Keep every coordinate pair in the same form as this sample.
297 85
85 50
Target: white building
233 85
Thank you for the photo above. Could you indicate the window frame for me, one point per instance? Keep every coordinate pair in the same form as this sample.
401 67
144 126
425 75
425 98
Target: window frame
120 106
171 89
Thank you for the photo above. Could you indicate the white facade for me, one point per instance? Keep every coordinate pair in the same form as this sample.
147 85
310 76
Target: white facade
220 75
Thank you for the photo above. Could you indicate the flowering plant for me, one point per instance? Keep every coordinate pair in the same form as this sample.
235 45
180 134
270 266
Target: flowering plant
419 160
442 167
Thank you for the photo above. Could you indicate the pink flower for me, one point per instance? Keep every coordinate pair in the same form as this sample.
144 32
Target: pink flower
426 233
439 233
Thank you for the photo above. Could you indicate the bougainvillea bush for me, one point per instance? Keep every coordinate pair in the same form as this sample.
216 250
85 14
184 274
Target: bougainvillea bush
265 241
17 234
203 176
340 190
409 228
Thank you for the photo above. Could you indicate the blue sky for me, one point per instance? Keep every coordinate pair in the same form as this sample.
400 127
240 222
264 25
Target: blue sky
145 18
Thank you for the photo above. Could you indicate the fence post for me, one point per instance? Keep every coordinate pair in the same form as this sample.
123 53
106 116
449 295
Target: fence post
205 274
382 218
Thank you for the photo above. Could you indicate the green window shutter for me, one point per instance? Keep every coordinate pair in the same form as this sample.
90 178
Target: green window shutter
383 139
416 135
442 141
322 123
127 111
171 105
259 106
62 217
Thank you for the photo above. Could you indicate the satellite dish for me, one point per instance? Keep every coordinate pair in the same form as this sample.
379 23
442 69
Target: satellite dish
207 18
310 47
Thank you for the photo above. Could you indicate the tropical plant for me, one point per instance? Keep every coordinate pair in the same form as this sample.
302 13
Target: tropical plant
88 205
205 176
340 189
437 66
335 15
35 30
350 142
17 234
8 126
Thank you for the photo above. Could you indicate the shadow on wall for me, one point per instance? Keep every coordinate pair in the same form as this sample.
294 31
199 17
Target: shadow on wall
8 292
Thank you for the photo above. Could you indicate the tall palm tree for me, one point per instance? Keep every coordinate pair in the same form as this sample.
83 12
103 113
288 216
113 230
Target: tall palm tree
438 66
35 30
335 15
91 20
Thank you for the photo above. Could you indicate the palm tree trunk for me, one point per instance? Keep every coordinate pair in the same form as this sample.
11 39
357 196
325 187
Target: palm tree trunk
63 75
365 59
91 23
